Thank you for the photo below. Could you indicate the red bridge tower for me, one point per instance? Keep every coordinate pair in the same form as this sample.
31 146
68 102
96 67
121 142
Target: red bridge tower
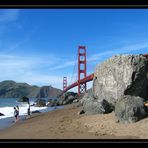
81 69
64 83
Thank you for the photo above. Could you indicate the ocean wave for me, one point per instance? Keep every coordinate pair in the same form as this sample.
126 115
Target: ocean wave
9 111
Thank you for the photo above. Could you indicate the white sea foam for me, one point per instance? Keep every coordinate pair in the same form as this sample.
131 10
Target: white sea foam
9 111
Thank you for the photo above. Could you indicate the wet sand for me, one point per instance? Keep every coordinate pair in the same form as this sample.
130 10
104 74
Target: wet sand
66 123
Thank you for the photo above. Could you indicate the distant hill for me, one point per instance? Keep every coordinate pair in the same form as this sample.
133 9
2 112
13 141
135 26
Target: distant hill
11 89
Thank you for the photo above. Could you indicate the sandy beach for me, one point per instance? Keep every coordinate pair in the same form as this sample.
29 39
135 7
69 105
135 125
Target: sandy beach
66 123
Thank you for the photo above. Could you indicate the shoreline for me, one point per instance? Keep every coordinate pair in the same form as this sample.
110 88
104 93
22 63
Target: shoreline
8 118
9 121
65 123
6 123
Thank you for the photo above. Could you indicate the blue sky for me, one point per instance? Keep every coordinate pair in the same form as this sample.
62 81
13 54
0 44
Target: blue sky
39 46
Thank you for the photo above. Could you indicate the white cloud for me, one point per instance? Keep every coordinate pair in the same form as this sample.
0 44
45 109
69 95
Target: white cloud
26 69
19 43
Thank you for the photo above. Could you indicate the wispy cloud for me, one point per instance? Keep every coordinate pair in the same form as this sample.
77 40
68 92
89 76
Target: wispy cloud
19 62
27 69
12 15
8 15
7 18
19 43
97 57
62 65
126 49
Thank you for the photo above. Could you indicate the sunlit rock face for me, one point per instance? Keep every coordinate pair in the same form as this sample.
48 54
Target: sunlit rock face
121 75
118 76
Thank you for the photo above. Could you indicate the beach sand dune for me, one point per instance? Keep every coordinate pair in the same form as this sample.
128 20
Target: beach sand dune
67 124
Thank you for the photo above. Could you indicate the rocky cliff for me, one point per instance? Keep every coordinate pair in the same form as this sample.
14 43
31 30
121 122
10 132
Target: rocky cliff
121 75
121 84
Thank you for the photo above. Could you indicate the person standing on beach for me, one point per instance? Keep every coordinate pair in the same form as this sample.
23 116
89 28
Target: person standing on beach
15 115
28 109
17 107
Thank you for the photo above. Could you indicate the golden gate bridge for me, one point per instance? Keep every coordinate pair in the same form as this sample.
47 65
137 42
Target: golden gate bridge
83 78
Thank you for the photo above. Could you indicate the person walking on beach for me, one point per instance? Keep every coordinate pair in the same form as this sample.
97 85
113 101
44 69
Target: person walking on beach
15 115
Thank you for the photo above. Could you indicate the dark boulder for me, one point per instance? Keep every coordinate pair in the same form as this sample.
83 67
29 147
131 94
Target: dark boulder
92 105
32 104
40 103
1 114
67 98
36 111
81 112
53 102
60 102
129 109
23 99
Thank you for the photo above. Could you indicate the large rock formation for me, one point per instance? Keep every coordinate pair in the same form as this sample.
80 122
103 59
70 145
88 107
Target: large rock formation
92 105
129 109
121 75
67 98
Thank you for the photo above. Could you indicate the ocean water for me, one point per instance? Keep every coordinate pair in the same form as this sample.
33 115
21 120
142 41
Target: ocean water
7 108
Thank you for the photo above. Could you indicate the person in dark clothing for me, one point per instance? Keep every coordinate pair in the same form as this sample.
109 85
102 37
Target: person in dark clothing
17 107
28 109
15 114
